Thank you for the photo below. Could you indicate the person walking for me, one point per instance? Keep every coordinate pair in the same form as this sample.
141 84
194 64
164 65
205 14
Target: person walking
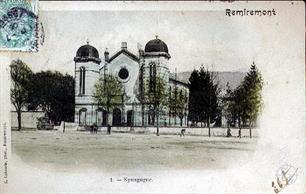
95 128
109 128
228 132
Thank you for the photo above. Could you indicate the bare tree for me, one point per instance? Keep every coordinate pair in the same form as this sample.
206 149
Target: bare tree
21 76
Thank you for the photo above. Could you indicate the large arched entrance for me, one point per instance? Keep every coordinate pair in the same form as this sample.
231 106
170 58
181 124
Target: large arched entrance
116 117
129 119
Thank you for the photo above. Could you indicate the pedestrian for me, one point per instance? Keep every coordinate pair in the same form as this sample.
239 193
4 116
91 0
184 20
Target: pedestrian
182 132
64 127
91 129
109 128
228 133
239 133
95 128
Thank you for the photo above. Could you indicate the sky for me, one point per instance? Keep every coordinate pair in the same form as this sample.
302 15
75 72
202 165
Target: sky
194 38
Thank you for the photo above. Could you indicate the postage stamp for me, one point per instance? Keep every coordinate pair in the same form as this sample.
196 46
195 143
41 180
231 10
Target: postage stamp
18 25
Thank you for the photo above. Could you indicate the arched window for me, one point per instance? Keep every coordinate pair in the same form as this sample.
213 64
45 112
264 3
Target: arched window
151 117
152 73
99 116
82 80
82 117
186 96
130 118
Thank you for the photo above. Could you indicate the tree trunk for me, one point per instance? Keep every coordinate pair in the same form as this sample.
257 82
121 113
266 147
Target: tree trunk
157 119
169 119
19 119
142 115
250 130
208 123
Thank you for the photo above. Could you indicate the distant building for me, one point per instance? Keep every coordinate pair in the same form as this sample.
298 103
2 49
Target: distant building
131 70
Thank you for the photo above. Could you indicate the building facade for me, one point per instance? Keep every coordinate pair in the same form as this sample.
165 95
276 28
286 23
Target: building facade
138 74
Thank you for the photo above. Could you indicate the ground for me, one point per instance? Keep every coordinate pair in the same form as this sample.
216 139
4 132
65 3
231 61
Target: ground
74 150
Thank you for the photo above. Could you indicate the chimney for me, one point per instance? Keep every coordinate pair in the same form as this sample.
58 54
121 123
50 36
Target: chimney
106 55
124 45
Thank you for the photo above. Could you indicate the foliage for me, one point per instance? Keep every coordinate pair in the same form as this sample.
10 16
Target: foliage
228 106
178 102
246 100
108 91
252 103
194 95
53 92
20 76
203 97
157 96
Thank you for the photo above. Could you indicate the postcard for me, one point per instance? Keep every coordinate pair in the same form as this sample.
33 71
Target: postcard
152 97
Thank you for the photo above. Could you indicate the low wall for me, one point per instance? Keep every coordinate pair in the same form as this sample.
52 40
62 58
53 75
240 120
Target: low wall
189 131
68 126
28 119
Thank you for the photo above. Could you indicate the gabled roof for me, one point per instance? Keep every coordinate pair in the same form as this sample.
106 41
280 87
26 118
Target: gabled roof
127 53
178 82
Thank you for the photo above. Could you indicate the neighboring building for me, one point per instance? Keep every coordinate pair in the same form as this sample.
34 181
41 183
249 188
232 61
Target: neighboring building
131 70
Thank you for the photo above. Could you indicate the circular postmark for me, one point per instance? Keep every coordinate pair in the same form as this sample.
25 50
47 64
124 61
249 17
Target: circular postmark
42 34
18 29
287 173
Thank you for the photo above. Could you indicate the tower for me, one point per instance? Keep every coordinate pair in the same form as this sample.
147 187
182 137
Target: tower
155 69
87 63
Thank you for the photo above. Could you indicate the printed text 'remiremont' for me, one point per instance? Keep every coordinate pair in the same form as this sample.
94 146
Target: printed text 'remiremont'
247 12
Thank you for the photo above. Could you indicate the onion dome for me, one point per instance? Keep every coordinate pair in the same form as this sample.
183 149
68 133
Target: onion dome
157 47
87 53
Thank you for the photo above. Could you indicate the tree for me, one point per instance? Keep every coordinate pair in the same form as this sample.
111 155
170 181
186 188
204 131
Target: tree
63 109
108 92
209 97
194 95
20 75
247 100
178 103
252 85
203 97
156 96
228 105
53 92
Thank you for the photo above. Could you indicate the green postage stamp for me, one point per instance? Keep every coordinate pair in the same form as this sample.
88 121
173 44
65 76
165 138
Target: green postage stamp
18 25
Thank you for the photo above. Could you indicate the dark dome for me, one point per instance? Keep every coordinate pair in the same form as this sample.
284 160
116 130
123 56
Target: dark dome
87 51
156 45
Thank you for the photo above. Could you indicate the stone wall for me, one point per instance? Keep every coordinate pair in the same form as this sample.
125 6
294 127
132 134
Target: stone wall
28 119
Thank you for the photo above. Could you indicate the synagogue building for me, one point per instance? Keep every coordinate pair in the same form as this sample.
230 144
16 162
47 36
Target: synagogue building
137 72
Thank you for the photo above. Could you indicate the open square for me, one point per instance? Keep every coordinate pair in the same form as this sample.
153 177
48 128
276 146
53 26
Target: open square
127 151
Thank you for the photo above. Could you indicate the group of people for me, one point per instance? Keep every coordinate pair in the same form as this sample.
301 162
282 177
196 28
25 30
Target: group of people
94 129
